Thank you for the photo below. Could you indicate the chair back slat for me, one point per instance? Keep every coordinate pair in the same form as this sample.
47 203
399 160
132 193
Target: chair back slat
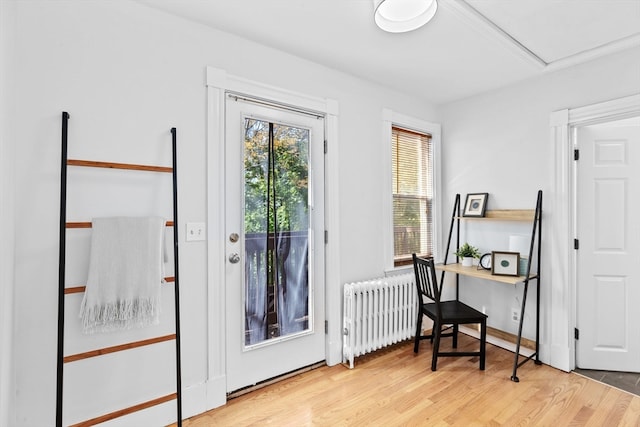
426 282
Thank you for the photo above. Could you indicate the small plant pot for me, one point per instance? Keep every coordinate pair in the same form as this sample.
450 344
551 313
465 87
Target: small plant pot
467 261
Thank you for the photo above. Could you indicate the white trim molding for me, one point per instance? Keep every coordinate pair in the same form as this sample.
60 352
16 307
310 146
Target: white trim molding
218 83
7 218
390 118
216 372
560 295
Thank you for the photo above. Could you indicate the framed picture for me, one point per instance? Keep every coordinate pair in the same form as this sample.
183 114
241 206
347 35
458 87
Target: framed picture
476 204
505 263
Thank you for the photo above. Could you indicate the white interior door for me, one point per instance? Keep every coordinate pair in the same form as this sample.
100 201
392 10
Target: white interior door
608 278
275 290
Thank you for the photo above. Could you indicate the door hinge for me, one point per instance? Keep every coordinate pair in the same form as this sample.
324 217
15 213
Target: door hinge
326 148
326 236
576 154
576 333
576 244
326 326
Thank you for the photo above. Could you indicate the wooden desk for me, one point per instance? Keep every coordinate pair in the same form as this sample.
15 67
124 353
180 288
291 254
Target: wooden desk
481 273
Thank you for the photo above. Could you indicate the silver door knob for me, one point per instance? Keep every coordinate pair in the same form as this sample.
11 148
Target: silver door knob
234 258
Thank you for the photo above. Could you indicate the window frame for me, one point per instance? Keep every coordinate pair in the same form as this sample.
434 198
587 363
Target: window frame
390 119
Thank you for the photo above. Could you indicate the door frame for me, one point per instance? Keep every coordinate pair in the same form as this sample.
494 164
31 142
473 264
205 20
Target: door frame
218 82
560 298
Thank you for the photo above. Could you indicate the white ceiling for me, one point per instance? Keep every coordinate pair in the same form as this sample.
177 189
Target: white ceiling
471 46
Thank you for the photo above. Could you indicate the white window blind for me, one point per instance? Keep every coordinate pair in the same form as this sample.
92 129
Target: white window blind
412 194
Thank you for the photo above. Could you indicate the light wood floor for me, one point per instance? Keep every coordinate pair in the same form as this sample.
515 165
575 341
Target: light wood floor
394 387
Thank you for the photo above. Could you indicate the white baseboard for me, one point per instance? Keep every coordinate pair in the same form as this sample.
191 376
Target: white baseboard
497 341
216 392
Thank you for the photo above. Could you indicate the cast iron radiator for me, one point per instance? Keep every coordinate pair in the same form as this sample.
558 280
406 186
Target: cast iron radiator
377 313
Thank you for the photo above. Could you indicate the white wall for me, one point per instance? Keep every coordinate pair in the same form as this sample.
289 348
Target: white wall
6 221
499 143
126 74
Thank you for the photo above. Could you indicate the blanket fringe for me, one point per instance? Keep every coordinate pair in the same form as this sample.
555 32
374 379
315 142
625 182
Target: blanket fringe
120 315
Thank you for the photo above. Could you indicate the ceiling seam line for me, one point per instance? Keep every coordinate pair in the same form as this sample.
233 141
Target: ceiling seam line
467 9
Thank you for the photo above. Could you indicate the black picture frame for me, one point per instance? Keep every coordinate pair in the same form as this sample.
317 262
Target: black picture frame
475 205
505 263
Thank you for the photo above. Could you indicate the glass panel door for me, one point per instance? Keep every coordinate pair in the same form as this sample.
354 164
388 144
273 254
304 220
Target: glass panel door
274 221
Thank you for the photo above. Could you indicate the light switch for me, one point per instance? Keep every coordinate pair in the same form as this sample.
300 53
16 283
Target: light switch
196 231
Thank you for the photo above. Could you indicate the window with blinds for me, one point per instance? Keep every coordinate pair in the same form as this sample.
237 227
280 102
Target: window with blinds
412 194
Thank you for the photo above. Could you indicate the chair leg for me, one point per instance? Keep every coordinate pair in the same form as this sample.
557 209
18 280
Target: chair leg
436 345
418 332
483 342
455 336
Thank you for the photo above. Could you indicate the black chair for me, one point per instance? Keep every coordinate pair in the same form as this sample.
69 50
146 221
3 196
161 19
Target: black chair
443 313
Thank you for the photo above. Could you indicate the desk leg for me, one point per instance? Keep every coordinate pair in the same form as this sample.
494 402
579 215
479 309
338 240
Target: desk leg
537 361
514 376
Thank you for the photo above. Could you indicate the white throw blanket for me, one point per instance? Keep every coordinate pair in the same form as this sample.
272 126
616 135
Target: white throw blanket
125 272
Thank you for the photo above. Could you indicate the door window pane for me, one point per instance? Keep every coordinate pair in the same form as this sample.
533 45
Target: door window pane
276 225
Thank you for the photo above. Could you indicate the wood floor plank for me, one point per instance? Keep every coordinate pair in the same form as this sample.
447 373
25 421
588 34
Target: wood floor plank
395 387
578 411
613 409
632 414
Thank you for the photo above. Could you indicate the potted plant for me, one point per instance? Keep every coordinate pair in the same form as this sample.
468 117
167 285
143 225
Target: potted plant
467 253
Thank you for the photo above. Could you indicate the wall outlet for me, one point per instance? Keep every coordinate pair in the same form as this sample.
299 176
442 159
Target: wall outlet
196 231
515 315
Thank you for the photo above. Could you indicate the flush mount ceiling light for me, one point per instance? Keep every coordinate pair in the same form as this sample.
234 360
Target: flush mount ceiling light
399 16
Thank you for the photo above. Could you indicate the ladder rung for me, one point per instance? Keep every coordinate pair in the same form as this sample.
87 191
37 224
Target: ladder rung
126 411
116 348
111 165
87 224
80 289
